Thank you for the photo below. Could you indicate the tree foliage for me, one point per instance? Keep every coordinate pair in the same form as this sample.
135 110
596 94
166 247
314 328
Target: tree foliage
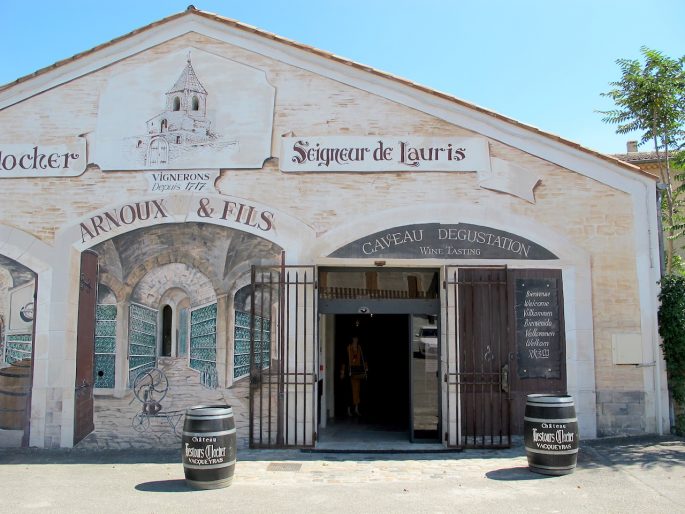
672 331
650 98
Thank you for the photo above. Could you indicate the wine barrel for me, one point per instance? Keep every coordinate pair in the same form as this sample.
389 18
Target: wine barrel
551 434
15 383
208 446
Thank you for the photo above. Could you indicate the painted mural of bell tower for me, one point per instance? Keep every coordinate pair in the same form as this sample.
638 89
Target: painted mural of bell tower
184 121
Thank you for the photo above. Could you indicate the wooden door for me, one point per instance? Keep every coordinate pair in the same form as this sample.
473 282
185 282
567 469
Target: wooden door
483 357
85 346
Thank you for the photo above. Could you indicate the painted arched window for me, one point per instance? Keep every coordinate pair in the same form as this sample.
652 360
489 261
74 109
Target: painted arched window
177 103
196 103
167 314
163 125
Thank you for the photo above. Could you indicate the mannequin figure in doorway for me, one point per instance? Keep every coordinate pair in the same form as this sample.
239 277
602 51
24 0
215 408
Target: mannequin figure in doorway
355 368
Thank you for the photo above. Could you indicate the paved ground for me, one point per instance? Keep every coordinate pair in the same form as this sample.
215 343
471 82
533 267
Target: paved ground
618 475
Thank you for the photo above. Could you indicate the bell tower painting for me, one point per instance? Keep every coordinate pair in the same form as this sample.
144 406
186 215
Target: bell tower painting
183 122
217 113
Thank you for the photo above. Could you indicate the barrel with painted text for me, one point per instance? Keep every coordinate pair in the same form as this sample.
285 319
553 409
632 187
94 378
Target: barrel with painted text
551 434
208 446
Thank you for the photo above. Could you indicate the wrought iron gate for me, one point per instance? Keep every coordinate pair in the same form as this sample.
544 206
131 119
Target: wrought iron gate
476 358
284 357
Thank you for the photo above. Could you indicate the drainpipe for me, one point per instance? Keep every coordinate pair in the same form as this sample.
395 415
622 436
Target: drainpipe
660 188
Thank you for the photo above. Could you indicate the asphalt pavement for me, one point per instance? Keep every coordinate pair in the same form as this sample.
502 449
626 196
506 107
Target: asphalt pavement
644 474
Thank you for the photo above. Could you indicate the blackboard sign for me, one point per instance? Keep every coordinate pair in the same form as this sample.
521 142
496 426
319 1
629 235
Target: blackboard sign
538 330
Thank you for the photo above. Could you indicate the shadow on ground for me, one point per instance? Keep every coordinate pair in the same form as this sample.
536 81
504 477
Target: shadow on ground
642 451
518 473
164 486
645 452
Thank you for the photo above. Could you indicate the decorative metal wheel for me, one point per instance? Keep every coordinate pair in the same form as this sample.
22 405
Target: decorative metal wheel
151 386
140 422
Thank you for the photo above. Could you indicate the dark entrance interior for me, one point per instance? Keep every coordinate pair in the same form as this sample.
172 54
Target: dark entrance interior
385 394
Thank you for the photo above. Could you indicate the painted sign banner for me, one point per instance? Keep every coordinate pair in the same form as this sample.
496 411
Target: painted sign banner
188 180
538 330
227 211
383 153
443 241
35 160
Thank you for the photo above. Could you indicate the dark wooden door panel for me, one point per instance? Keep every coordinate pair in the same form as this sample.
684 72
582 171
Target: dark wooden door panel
483 356
85 346
537 351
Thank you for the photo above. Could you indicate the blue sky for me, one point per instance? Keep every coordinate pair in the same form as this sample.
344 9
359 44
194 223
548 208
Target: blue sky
543 63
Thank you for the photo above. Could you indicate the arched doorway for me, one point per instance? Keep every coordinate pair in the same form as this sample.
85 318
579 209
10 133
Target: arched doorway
158 152
175 286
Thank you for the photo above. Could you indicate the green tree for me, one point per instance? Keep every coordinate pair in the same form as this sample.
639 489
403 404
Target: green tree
672 331
650 98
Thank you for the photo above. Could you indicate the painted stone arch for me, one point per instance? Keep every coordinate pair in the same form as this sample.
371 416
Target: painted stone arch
184 275
395 234
344 245
17 308
18 316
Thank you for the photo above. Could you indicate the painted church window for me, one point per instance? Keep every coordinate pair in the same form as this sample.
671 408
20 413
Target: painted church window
196 104
177 103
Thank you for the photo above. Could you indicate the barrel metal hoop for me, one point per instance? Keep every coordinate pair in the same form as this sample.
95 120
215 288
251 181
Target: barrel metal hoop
552 421
551 452
210 466
550 400
210 434
554 468
12 393
200 418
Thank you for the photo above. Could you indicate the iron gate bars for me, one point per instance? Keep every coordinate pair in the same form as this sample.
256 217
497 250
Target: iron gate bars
283 357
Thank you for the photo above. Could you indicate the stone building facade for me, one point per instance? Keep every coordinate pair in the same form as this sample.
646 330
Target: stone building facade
294 200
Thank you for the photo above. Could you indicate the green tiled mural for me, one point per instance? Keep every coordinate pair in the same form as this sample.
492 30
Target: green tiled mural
203 343
241 351
142 340
17 347
105 345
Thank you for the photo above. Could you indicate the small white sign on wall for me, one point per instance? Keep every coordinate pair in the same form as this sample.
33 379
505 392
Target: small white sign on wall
174 181
377 154
35 160
383 153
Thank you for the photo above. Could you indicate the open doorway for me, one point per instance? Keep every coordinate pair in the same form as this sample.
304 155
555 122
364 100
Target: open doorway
384 340
394 313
